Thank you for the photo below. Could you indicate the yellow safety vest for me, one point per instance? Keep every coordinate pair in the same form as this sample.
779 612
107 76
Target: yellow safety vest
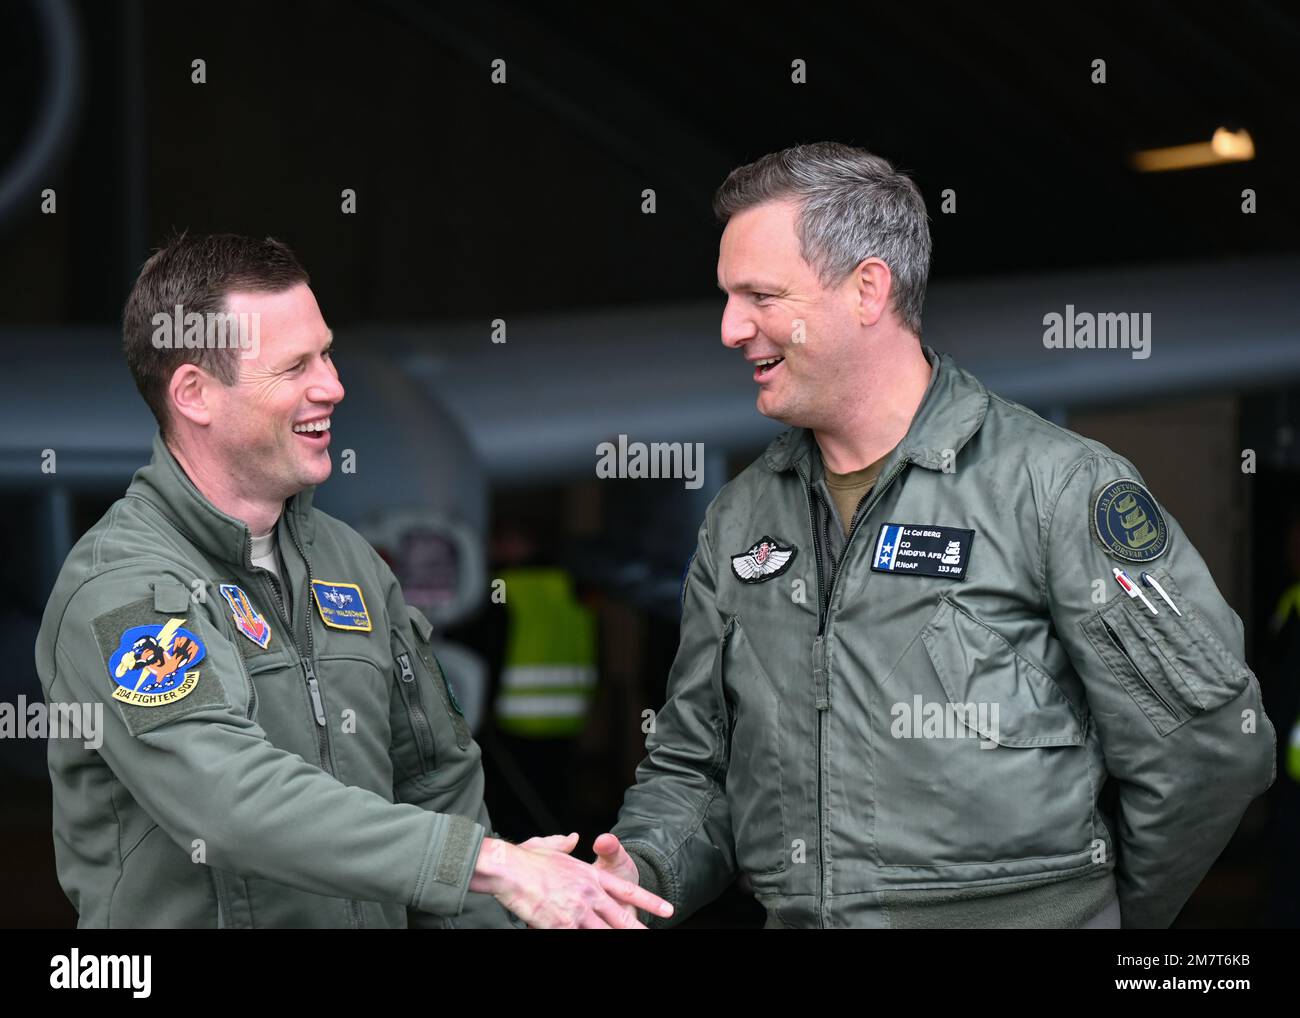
549 672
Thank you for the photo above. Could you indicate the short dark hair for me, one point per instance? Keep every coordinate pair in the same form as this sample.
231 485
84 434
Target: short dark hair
852 205
198 273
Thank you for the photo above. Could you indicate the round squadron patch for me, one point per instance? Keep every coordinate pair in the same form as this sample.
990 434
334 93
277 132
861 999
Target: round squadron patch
153 665
1128 523
767 557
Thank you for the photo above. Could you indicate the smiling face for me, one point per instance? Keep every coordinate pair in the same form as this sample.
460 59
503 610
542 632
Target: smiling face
270 429
798 336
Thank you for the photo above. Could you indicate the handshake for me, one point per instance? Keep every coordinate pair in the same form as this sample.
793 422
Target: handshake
549 889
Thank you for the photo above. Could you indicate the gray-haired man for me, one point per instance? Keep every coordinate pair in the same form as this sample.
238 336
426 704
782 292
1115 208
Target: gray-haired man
895 702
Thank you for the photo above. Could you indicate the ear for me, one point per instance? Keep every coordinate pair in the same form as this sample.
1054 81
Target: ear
190 393
873 283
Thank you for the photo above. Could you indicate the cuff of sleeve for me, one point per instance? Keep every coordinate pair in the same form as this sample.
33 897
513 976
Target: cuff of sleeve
448 865
654 875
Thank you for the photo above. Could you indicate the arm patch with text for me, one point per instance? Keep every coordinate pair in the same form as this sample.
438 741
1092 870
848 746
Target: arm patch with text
155 662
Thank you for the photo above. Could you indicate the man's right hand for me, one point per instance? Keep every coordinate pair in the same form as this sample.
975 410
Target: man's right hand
547 888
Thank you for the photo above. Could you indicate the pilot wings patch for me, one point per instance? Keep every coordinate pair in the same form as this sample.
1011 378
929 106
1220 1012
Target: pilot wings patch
767 558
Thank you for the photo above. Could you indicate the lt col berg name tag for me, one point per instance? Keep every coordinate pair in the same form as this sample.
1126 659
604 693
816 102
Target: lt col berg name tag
923 549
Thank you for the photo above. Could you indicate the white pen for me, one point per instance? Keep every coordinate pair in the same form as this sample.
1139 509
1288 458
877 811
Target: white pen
1150 581
1131 588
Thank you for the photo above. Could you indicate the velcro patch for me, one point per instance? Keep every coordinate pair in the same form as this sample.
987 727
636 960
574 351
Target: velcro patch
151 660
923 549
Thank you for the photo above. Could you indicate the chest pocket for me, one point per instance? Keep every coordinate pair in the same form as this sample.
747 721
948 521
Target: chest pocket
433 714
977 666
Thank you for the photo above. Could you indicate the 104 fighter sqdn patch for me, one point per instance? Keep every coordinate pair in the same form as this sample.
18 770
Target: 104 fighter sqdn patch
152 665
923 549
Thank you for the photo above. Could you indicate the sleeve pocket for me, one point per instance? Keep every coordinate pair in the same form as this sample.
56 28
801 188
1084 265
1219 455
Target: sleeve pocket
1173 667
1204 672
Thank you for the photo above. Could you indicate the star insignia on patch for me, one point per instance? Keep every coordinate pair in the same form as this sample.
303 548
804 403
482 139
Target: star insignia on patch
767 558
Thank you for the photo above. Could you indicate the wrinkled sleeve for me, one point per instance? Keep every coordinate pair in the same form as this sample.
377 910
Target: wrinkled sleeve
1178 713
675 822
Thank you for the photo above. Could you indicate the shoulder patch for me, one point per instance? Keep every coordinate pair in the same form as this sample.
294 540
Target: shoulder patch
1127 521
152 663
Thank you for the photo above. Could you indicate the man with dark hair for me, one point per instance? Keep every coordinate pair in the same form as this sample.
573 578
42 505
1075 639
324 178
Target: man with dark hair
280 746
921 631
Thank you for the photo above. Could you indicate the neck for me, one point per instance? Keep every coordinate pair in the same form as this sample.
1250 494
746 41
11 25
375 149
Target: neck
880 412
222 489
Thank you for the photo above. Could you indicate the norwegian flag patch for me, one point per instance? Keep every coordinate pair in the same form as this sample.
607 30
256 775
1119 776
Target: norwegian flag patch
767 558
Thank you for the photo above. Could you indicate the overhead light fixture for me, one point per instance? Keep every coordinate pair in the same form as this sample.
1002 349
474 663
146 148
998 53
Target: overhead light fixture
1225 147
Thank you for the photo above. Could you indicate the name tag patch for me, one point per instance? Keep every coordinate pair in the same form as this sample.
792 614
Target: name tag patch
923 549
341 605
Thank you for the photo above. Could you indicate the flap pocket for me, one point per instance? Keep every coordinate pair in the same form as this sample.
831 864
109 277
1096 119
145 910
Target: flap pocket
1202 672
1136 662
995 690
1172 666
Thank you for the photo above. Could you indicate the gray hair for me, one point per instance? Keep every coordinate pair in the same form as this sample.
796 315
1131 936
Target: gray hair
853 205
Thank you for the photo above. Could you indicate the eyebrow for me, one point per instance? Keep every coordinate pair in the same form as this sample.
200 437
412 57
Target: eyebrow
752 287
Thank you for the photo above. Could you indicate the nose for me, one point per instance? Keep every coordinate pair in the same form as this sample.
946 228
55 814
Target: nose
326 387
737 326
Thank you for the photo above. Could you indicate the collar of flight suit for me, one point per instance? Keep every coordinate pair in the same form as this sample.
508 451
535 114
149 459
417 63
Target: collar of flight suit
951 411
165 486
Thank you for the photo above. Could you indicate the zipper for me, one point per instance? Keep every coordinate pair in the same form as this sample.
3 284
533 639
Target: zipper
308 668
877 492
817 551
1114 638
821 714
313 687
823 611
306 663
423 732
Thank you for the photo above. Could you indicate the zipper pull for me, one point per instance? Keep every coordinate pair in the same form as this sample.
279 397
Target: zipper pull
313 687
821 687
404 662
